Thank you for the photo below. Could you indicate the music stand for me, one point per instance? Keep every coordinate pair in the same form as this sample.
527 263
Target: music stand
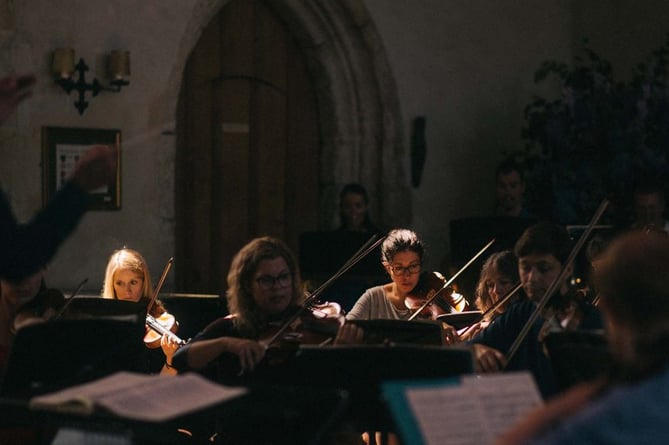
400 331
89 307
360 370
578 356
49 356
460 320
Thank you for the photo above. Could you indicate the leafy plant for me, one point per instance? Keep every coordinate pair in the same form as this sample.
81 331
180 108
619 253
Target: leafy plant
597 138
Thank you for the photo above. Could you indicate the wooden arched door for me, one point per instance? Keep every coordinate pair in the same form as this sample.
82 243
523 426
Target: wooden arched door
248 146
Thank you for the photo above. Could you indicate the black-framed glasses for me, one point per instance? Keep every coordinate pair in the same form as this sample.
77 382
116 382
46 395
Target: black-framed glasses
268 281
401 270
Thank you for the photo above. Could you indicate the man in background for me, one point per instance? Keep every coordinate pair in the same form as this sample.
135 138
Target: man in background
649 207
510 190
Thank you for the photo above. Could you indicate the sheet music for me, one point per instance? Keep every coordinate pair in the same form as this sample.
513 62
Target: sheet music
472 411
504 398
150 398
448 415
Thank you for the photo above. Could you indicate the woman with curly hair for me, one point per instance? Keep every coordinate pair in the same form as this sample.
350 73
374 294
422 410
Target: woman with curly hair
264 290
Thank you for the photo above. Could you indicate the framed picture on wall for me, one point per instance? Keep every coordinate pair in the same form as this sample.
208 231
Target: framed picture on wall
61 149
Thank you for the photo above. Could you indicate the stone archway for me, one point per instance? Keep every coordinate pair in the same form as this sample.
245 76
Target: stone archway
359 113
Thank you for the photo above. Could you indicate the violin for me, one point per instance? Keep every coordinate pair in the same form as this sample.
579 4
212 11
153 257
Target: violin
166 324
446 301
48 304
43 307
316 325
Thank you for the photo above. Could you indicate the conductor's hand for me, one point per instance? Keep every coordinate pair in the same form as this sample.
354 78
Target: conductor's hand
487 359
13 90
97 167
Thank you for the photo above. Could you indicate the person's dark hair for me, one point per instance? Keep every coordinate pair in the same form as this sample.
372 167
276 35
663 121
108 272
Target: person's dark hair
400 240
508 166
354 188
544 238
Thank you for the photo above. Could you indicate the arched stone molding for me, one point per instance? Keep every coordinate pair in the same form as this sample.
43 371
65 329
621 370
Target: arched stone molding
359 114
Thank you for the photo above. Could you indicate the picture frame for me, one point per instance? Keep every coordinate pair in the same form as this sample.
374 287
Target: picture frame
61 149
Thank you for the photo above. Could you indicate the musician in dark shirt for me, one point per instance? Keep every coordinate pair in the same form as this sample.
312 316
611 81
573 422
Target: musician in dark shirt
263 289
629 405
542 251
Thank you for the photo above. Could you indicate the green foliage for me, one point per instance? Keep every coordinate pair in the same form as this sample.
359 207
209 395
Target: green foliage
597 138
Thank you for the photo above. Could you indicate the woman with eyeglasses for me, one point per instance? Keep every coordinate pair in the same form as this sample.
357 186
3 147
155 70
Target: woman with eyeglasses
401 255
264 290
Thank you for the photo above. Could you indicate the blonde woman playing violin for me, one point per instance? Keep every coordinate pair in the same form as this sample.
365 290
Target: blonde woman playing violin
127 278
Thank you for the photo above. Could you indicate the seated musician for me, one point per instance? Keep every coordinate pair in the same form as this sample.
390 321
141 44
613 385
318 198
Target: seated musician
354 210
542 251
127 278
499 274
264 289
14 297
402 257
629 406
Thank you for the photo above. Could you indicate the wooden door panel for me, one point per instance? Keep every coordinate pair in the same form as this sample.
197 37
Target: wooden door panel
250 146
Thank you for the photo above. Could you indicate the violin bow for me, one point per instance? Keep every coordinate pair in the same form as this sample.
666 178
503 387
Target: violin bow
66 305
159 286
497 304
450 280
369 246
556 282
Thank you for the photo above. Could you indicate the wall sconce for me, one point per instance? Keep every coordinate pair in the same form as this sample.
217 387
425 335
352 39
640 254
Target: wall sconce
63 67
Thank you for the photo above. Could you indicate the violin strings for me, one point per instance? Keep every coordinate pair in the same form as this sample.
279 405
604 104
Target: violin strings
448 283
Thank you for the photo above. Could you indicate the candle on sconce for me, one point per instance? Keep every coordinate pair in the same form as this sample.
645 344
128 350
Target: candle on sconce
63 62
119 64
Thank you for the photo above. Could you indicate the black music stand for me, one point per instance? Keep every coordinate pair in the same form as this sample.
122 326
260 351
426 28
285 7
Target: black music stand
360 370
49 356
400 331
460 320
98 307
578 356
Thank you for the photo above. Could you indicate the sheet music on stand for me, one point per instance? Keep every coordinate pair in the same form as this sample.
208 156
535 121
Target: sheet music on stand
468 410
